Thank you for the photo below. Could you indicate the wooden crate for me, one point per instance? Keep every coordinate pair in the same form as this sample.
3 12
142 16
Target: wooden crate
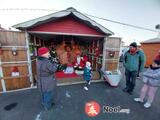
8 57
7 69
17 82
111 65
116 54
111 46
11 40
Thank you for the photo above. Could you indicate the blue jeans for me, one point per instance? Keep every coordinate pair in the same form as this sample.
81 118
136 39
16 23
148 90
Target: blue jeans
47 99
130 79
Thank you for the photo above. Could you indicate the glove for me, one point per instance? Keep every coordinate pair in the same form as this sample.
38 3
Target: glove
140 74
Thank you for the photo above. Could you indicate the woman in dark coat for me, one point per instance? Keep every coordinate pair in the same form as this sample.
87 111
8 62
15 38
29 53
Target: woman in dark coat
46 77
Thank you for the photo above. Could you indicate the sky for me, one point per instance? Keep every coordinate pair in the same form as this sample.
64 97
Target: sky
143 13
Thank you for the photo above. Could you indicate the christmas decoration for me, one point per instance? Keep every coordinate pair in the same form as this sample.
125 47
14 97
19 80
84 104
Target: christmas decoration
111 53
14 51
97 52
15 71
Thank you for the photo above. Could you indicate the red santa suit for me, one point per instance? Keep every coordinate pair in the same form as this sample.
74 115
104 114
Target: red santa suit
80 61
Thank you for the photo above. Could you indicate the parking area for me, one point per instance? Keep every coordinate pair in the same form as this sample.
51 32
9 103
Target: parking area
71 100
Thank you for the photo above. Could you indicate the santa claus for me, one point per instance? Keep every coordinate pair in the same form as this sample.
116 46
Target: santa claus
80 62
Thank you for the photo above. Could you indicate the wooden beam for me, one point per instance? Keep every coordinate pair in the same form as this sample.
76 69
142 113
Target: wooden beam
14 64
28 57
11 77
1 77
73 34
104 54
14 46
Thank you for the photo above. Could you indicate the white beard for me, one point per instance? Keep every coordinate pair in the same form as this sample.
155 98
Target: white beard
78 60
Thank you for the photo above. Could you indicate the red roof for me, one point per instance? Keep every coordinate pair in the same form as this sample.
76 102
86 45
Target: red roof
59 22
67 25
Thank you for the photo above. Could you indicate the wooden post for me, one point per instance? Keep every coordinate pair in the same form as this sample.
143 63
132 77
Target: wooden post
104 54
28 57
97 58
35 45
92 54
1 75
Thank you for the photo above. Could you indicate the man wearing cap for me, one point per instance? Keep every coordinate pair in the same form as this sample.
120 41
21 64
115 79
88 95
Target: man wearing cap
46 78
134 61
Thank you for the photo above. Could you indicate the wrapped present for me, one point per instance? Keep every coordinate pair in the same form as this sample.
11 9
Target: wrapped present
69 69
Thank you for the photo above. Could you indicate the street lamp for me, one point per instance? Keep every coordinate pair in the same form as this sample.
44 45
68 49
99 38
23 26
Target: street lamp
157 27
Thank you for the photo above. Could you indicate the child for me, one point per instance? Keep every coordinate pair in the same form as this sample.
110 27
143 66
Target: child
87 75
151 79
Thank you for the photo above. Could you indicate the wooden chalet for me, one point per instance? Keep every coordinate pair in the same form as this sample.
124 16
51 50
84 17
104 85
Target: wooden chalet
18 49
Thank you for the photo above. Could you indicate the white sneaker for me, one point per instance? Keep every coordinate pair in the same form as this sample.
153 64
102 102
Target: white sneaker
147 105
89 82
85 88
138 100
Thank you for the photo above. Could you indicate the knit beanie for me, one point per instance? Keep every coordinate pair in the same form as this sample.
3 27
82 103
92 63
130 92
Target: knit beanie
134 44
157 62
42 50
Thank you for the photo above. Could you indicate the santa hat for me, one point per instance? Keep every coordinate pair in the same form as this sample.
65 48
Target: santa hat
42 50
15 69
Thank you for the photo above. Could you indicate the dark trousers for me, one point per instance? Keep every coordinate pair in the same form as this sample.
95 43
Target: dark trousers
130 79
87 83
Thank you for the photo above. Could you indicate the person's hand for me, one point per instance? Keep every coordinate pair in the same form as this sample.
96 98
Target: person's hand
140 74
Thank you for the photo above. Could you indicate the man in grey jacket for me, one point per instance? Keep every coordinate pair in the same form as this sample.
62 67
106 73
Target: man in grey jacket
46 77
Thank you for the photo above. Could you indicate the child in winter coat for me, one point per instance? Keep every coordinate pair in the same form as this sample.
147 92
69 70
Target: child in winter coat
151 79
87 75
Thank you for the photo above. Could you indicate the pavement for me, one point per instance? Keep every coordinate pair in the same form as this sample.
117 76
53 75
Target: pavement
71 101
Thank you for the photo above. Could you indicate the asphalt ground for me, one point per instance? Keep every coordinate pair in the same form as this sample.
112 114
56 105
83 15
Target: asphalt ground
71 101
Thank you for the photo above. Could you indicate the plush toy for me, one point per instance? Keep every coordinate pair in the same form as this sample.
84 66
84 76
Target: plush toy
15 71
69 69
80 61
